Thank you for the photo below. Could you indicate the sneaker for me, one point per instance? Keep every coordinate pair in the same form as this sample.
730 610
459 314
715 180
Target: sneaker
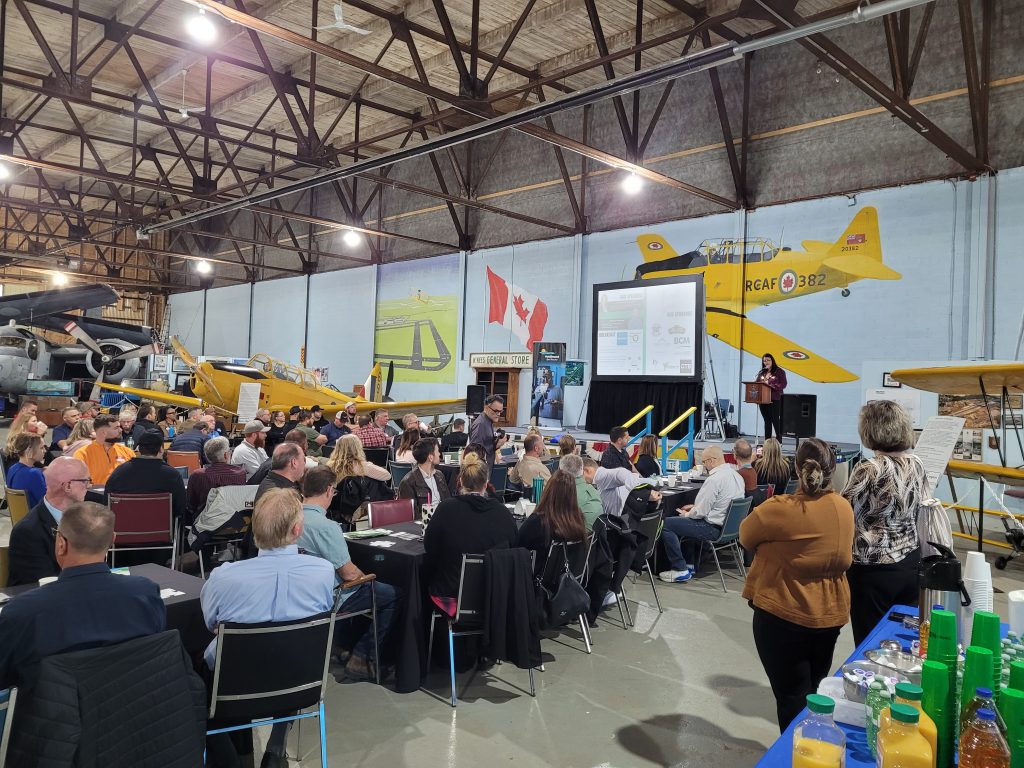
676 577
609 599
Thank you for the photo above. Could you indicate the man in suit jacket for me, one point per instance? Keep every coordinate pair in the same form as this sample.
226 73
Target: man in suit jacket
87 607
32 540
424 483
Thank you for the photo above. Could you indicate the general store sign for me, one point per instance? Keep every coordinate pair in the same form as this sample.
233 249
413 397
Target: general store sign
501 360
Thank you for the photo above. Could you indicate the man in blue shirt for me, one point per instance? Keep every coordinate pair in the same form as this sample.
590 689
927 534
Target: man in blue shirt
87 607
70 416
277 585
195 439
329 434
323 537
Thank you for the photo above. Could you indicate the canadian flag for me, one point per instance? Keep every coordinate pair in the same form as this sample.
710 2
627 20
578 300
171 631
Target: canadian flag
516 309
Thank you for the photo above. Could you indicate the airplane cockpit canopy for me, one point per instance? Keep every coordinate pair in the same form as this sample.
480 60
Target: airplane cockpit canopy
284 371
728 251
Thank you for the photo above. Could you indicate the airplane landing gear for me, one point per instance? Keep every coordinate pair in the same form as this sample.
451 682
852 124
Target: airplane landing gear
846 292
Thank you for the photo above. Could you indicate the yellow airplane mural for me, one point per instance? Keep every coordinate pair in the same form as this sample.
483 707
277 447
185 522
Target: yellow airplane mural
740 275
282 385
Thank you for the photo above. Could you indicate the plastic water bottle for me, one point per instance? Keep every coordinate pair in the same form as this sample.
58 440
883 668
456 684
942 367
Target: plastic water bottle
981 744
874 703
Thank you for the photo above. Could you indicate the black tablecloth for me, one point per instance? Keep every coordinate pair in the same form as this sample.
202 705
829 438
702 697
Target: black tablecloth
399 566
183 611
674 498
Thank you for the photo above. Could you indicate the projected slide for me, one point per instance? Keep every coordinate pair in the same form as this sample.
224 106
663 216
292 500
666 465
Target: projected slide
648 328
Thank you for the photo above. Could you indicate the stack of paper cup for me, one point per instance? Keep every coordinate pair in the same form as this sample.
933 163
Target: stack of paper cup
1016 617
978 582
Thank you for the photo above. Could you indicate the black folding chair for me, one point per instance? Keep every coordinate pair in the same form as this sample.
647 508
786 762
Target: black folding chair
7 708
470 614
648 526
499 479
254 681
575 555
378 456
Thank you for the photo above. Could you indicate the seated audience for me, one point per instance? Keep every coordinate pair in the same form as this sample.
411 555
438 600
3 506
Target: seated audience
613 484
88 409
797 584
217 472
80 436
87 607
167 420
319 422
744 454
69 417
287 466
471 523
323 538
330 432
32 539
886 492
424 484
298 438
104 454
149 473
304 424
24 421
250 454
409 421
192 439
126 418
293 418
588 498
278 585
411 436
277 431
701 521
350 413
556 518
349 461
772 468
28 406
531 465
455 483
263 414
145 420
369 434
219 428
24 475
647 459
566 445
615 455
382 420
455 439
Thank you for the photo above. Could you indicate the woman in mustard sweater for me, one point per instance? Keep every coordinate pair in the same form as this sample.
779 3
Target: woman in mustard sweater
797 584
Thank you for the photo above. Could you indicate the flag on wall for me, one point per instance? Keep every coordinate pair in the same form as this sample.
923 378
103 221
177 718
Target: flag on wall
518 310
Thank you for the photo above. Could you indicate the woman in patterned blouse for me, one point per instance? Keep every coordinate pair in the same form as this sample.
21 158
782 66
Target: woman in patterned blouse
885 492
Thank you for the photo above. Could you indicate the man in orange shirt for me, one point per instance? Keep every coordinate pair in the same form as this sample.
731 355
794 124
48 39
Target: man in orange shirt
104 454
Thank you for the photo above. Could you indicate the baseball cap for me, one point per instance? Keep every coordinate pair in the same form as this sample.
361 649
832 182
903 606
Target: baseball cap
294 410
255 426
350 404
151 437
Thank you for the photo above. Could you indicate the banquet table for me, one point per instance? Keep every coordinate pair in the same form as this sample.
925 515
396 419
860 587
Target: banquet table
399 565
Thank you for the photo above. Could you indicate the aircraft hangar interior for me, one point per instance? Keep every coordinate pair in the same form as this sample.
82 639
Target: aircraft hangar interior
756 263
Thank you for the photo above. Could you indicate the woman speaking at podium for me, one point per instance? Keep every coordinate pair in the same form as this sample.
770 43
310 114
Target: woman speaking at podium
775 378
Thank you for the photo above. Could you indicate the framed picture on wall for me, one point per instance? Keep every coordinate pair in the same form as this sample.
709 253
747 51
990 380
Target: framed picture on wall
160 364
889 381
178 365
180 380
1015 402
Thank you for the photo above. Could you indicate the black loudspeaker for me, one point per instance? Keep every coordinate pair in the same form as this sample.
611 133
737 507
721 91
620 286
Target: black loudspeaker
799 415
475 394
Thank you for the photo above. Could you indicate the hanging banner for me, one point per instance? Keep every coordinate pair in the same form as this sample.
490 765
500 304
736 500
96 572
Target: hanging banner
548 403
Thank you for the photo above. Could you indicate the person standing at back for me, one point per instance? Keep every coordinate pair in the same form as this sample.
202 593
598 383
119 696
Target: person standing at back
886 492
775 378
797 584
483 433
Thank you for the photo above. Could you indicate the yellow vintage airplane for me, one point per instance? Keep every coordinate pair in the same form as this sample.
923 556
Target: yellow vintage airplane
282 385
740 275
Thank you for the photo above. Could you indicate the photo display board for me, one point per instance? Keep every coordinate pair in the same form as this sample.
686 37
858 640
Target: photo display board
649 329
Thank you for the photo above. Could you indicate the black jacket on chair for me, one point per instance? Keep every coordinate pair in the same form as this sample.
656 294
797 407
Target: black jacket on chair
32 540
138 704
512 626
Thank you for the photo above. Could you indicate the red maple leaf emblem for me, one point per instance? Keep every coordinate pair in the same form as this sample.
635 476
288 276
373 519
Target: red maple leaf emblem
787 282
521 311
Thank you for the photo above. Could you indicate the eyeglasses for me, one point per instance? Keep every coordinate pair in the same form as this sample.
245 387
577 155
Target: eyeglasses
56 532
496 412
86 480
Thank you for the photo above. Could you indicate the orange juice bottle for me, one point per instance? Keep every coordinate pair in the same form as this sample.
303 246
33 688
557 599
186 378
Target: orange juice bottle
910 694
901 745
817 740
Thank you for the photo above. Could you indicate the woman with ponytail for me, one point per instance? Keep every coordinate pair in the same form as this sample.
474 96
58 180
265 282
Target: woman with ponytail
797 584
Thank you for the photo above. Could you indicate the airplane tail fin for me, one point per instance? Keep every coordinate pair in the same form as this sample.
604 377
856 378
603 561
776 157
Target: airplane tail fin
372 389
858 251
655 248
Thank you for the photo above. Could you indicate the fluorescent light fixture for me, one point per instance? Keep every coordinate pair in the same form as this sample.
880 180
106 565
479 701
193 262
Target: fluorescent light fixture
352 238
201 28
632 184
60 279
5 172
204 267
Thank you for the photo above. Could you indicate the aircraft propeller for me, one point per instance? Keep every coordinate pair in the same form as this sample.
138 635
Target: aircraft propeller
390 382
106 359
193 366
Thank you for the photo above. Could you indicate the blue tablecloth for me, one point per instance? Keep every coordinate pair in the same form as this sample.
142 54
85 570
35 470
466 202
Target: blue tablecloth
780 754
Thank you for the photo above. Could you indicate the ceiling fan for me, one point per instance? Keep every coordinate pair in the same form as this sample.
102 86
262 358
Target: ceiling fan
339 23
183 110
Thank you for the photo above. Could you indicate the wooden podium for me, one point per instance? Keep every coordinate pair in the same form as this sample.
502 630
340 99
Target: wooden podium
757 392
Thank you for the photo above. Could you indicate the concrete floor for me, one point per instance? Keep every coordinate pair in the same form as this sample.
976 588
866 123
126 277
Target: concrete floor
682 688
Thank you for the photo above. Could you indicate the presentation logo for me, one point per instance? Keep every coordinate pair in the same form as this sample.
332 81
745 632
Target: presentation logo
795 354
787 282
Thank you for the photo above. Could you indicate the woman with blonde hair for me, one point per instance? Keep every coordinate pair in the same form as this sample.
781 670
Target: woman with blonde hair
25 421
80 436
470 523
358 481
886 492
348 460
566 445
772 468
647 460
797 584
